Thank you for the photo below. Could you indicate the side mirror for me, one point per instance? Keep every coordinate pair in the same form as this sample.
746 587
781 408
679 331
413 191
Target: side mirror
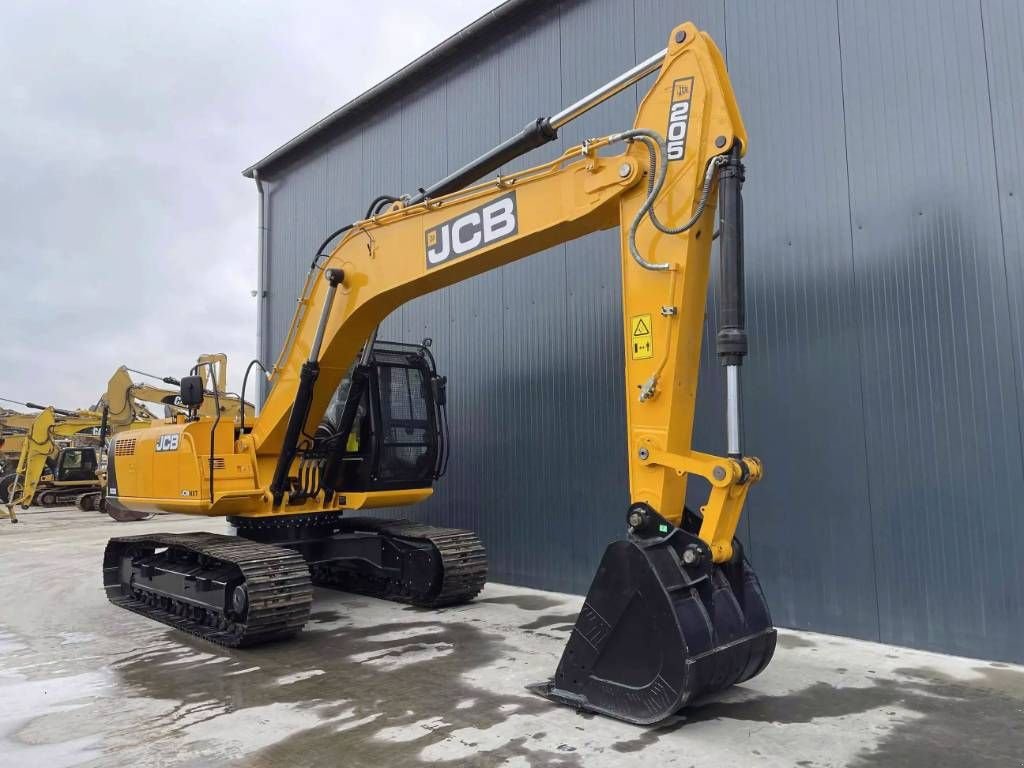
192 391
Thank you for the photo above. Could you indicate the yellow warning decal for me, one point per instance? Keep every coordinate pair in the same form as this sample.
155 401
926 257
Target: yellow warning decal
641 338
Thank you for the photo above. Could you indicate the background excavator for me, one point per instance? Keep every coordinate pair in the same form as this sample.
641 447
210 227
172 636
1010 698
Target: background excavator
124 402
13 426
50 473
353 422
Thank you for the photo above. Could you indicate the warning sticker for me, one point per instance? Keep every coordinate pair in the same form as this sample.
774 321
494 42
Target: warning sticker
641 338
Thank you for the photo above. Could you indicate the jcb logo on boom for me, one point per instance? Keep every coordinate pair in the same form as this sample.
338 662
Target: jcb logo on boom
679 118
168 442
472 230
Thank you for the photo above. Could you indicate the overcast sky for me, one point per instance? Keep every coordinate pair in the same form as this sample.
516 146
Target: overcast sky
127 233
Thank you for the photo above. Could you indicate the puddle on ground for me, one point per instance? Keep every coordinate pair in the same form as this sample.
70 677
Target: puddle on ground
365 695
549 620
786 640
951 721
975 723
523 602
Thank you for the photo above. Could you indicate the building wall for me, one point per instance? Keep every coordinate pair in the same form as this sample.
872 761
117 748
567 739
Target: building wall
885 252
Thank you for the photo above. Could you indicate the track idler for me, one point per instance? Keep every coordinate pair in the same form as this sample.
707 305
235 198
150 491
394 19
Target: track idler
662 624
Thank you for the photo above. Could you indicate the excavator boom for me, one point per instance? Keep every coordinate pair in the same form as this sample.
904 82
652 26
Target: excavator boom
353 422
40 446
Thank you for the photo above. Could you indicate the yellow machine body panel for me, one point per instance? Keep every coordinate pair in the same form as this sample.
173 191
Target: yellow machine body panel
166 467
171 462
11 445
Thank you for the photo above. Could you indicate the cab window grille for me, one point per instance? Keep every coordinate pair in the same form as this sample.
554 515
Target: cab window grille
408 449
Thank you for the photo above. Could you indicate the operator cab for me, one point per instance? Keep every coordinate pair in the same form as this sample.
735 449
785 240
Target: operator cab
393 433
76 465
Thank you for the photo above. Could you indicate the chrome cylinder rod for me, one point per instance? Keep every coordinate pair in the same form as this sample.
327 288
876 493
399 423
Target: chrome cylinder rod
364 356
733 415
609 89
536 133
334 279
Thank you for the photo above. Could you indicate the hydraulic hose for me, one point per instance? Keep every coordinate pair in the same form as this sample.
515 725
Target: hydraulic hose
656 180
245 379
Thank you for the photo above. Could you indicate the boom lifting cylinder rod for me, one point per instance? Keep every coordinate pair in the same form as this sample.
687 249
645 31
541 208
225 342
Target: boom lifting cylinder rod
539 132
60 411
303 393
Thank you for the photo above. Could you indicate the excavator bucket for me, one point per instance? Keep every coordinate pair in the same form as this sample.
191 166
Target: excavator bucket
655 633
121 513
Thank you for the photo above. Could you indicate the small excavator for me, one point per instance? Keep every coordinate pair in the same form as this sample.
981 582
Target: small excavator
49 474
354 423
124 400
13 427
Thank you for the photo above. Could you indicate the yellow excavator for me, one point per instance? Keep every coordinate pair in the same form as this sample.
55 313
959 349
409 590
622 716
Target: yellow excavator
13 427
675 610
125 398
11 442
124 403
48 473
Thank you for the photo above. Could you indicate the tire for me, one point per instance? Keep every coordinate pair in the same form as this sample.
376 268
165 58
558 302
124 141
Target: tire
5 488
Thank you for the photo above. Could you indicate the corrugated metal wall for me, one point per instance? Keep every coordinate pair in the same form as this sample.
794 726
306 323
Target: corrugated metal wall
886 301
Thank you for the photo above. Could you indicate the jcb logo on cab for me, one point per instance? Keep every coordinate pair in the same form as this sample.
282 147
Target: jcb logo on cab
472 230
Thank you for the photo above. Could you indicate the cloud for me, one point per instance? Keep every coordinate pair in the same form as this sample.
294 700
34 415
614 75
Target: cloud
127 234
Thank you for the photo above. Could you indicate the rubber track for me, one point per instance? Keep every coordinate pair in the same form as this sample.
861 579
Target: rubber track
463 562
277 580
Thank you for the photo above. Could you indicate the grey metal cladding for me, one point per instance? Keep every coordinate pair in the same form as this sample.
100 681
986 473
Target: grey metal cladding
593 492
810 519
538 377
1003 21
885 258
941 414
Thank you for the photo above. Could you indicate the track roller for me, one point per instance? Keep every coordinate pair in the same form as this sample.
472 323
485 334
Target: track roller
220 588
400 560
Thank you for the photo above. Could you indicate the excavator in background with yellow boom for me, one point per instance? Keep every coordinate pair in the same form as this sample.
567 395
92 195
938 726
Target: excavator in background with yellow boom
13 427
124 398
675 610
50 474
123 402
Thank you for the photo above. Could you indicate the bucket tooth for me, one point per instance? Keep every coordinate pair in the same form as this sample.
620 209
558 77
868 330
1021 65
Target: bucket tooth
655 633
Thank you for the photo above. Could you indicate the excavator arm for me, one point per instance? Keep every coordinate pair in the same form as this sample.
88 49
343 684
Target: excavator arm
352 422
39 446
125 398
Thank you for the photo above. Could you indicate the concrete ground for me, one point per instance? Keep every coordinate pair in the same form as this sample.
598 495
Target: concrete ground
371 683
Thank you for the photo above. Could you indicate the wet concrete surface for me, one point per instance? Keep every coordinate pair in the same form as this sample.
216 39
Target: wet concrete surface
371 683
